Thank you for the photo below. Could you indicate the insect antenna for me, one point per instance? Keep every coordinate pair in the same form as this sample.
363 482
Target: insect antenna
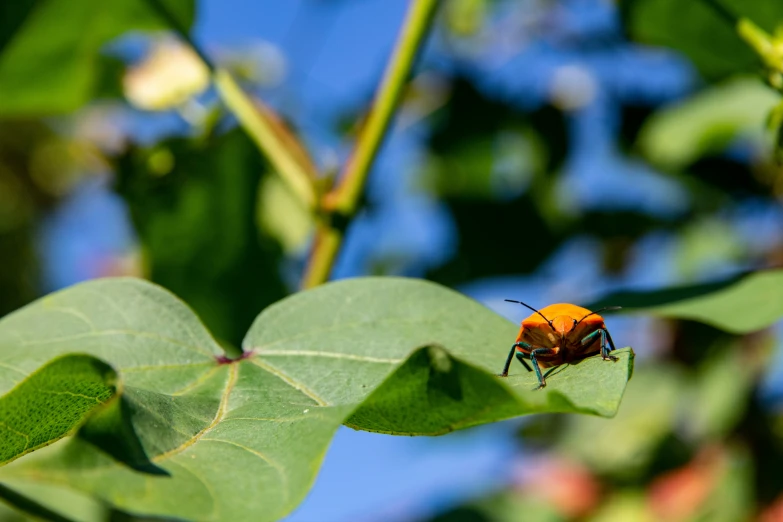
605 308
536 311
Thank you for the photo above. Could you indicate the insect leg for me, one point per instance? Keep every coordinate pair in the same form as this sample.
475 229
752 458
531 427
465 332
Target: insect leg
607 345
511 356
603 333
590 338
533 354
611 343
521 358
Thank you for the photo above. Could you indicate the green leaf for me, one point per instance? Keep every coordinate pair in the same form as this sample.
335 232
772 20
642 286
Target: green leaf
50 49
198 437
742 304
51 402
676 136
687 26
434 393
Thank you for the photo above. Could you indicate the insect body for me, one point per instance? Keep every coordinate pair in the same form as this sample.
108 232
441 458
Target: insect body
558 334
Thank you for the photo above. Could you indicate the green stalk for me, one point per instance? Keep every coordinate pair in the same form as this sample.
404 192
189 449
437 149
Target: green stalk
761 42
417 22
343 200
252 120
324 251
261 130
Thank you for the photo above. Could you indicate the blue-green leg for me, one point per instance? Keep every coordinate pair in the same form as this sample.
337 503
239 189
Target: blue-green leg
609 338
533 355
511 356
607 344
521 358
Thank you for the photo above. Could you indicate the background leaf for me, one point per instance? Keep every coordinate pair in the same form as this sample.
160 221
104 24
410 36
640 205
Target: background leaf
229 269
50 49
198 438
706 123
743 304
686 26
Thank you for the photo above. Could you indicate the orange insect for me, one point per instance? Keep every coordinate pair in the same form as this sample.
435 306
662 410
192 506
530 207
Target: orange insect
558 334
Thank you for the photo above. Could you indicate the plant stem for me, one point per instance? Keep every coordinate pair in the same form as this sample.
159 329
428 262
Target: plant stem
417 22
263 133
343 200
326 245
259 126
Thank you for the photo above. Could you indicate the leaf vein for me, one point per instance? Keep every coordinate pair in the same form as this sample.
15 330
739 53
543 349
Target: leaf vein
232 379
332 355
132 333
146 367
293 418
111 302
270 462
21 434
316 332
13 368
194 383
290 381
71 311
215 515
72 394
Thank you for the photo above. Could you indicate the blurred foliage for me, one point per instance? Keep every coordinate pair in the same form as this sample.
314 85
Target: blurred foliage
274 201
496 166
20 199
50 50
482 147
491 163
706 123
744 303
699 31
170 75
38 167
743 35
193 203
